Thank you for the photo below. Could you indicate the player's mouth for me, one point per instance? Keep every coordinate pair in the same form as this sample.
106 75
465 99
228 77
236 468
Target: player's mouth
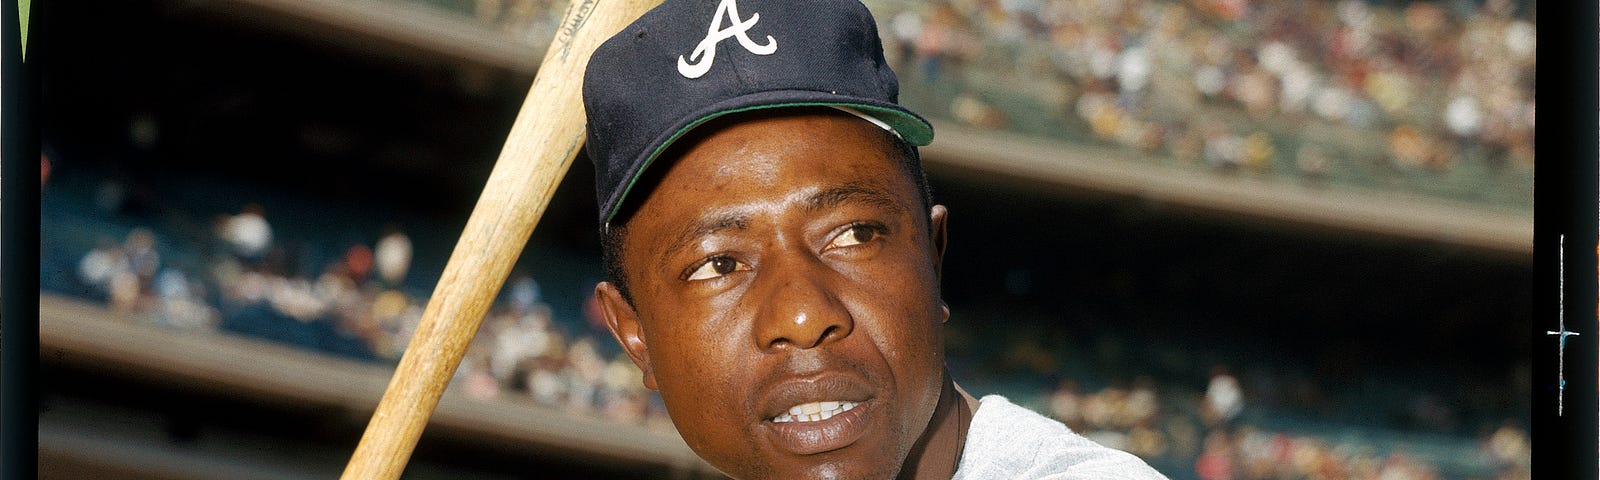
814 411
816 427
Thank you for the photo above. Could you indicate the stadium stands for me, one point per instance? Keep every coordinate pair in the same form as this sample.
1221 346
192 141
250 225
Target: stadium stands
1434 98
1427 97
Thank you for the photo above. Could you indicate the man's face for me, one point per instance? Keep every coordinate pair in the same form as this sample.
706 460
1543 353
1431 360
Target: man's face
787 305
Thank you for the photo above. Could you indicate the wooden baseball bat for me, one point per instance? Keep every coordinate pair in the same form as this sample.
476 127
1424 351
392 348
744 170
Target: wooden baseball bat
547 134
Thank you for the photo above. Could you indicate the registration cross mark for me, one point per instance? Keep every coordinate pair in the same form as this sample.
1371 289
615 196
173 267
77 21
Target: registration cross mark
1561 291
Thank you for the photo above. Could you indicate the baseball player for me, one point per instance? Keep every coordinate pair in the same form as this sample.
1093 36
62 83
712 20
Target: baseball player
772 253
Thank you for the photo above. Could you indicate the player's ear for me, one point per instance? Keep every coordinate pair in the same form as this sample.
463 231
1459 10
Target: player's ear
936 231
623 322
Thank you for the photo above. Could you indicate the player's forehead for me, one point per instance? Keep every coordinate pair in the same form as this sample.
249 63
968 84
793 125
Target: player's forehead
772 155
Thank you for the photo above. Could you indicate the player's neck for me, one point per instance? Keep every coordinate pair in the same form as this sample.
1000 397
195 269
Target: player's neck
938 452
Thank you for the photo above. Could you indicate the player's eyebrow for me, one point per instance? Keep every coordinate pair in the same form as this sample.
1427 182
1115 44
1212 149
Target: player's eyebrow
853 192
709 224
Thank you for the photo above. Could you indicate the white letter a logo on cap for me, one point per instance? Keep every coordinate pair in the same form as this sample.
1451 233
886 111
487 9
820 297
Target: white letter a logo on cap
706 52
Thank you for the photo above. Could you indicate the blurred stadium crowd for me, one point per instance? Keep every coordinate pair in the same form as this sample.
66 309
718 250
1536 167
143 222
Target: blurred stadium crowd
1431 97
1201 433
1400 95
350 299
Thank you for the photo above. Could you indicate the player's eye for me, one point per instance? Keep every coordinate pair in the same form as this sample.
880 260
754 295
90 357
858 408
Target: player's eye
715 267
855 235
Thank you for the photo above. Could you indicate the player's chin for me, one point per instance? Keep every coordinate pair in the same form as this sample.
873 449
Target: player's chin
867 458
838 467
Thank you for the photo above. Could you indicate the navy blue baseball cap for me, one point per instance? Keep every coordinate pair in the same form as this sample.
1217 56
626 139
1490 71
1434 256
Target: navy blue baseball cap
687 62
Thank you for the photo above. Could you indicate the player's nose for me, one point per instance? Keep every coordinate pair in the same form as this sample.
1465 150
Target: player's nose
800 309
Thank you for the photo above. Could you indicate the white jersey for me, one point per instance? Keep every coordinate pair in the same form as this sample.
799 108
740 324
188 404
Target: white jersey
1006 441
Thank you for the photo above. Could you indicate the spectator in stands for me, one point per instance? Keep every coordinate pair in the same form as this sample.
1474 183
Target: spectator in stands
1224 399
98 267
1142 404
1066 404
356 264
1508 447
775 273
474 372
140 250
1216 462
586 370
393 256
340 288
622 398
396 316
248 233
182 302
131 287
545 381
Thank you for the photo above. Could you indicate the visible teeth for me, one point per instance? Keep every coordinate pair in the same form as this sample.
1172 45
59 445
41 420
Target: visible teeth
814 411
